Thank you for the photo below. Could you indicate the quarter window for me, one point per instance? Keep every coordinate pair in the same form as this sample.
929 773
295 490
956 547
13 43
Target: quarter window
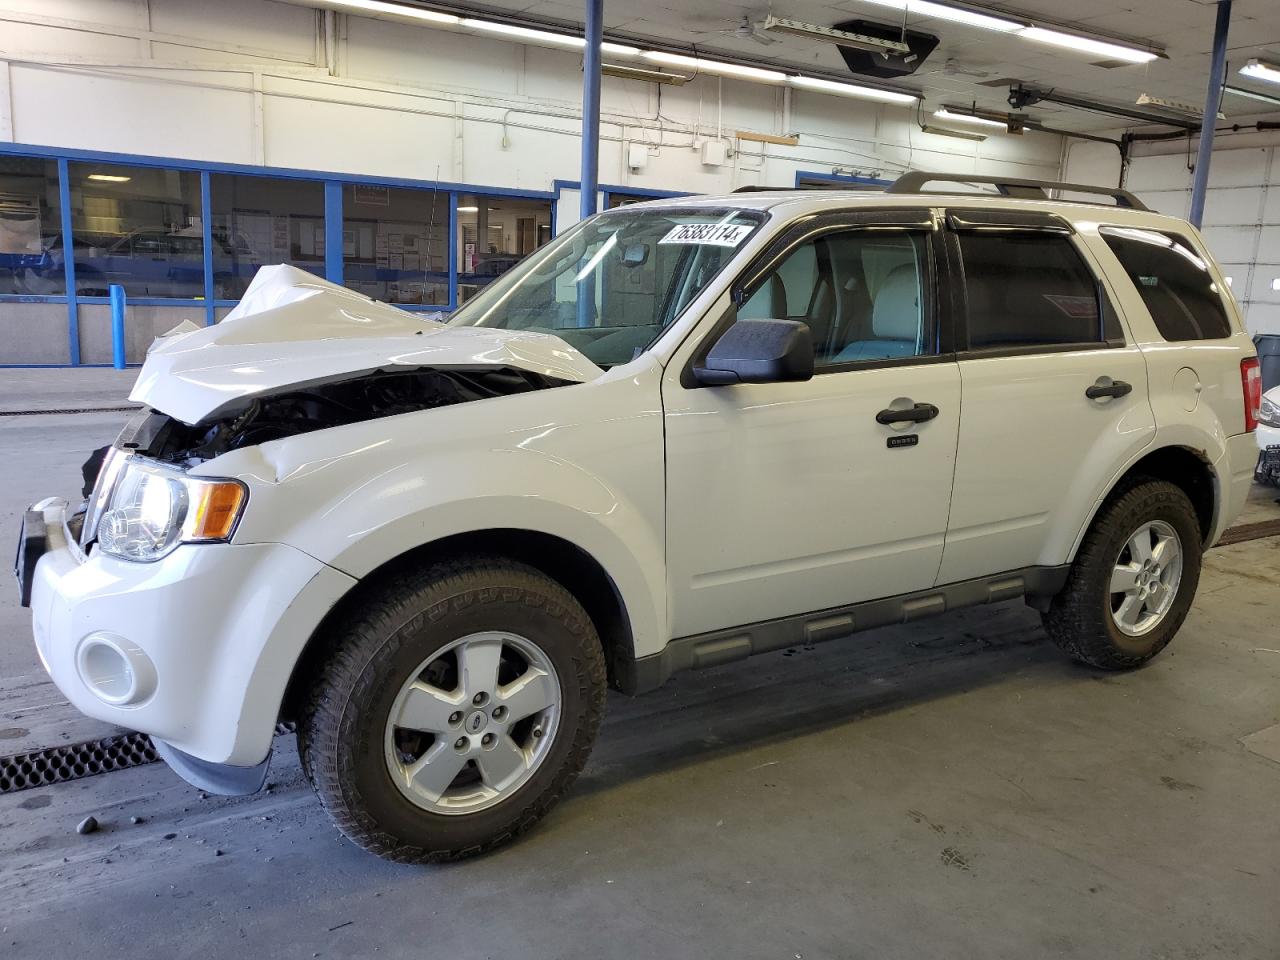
1028 290
1174 282
861 292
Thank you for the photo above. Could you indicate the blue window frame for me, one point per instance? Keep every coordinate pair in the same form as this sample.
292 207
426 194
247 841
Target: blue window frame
186 232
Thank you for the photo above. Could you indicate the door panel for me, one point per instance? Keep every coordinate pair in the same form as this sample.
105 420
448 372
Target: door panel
1034 452
786 498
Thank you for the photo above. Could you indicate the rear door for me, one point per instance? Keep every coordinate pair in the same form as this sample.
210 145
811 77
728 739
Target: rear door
1054 394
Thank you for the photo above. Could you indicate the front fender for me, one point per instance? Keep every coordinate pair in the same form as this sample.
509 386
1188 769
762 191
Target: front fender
583 463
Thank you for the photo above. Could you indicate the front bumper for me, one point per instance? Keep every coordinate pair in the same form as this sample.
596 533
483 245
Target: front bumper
194 650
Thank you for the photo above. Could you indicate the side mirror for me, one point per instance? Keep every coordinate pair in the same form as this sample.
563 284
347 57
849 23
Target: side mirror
759 351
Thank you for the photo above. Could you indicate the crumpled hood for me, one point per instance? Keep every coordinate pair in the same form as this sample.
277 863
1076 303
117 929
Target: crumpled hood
295 330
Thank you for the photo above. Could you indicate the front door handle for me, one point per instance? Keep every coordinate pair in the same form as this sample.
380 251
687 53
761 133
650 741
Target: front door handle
917 414
1106 388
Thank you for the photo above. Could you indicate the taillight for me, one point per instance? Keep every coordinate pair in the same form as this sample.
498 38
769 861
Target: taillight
1251 382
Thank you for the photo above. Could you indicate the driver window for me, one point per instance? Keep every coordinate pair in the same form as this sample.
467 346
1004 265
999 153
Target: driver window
861 292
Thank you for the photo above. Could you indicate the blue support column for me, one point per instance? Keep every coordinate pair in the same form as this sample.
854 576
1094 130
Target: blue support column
453 251
1213 97
69 264
333 231
206 220
591 107
118 357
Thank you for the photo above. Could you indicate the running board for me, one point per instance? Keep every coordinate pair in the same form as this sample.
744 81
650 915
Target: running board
738 643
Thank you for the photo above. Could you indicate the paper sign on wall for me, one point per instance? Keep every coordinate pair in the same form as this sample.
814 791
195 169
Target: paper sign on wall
713 234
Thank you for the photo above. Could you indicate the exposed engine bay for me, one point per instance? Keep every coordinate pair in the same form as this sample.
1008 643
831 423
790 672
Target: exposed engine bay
368 396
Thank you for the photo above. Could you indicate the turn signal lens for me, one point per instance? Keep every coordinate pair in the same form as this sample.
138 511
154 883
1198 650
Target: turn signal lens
214 510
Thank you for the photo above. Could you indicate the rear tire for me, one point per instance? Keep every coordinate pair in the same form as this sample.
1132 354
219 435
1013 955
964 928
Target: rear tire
380 739
1133 579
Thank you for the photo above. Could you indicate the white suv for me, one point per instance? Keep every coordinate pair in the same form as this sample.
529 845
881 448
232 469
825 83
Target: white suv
680 434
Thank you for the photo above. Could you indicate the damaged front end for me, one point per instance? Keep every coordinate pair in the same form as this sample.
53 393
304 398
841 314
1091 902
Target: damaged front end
371 396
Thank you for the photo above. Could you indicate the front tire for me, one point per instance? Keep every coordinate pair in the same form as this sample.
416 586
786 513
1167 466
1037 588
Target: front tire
456 706
1133 579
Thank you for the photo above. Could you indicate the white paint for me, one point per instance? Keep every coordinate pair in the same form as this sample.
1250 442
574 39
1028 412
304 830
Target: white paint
291 327
707 507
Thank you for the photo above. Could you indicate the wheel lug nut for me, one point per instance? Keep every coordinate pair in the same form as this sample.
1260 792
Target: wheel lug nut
487 740
460 743
480 699
499 712
455 717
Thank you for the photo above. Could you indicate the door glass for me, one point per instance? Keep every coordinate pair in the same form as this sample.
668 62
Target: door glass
861 293
1029 289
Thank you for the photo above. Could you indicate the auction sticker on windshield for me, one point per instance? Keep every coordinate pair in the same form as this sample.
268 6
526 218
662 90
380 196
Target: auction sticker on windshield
715 234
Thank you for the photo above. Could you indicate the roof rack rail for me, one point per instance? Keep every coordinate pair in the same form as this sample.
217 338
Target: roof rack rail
913 181
761 188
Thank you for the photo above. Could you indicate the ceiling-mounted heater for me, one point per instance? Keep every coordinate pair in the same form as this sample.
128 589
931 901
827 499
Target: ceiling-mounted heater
886 65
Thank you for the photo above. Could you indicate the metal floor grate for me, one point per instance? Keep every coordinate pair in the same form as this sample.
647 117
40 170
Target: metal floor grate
71 761
39 768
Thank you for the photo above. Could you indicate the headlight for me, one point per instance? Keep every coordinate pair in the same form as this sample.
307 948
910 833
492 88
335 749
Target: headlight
153 508
1269 413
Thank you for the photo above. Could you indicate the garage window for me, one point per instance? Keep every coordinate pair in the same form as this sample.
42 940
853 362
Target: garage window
1030 290
30 228
494 234
395 243
1174 282
263 220
138 227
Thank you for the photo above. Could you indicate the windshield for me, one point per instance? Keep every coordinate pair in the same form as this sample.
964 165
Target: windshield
611 285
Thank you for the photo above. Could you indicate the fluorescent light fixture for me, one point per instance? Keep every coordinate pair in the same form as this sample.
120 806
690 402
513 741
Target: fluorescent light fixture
958 134
640 73
1261 71
109 178
545 36
852 90
1242 92
468 209
715 66
382 8
939 11
946 114
1275 284
1101 48
812 31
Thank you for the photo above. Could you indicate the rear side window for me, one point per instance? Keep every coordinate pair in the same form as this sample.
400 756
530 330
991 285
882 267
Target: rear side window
1174 281
1028 290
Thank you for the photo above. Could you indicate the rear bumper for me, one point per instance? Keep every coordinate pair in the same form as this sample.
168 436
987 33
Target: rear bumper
1235 475
194 650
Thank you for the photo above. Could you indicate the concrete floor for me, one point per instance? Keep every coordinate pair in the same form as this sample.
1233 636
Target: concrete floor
955 788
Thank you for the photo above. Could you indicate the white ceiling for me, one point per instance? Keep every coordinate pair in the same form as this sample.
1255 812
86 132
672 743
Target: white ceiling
968 60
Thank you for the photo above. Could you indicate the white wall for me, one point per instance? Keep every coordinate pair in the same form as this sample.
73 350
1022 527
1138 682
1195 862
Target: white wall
253 81
1242 205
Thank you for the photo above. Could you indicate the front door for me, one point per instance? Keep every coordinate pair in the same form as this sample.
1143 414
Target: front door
789 498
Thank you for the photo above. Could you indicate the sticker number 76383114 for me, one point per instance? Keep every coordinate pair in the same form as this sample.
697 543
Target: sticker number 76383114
714 234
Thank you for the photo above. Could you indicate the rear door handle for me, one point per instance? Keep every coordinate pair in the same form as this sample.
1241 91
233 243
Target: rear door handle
1106 388
917 414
